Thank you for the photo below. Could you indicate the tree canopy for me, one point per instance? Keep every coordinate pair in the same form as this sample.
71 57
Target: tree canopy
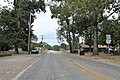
14 22
86 18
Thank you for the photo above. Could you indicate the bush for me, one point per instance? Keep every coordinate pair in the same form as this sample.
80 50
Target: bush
4 47
24 47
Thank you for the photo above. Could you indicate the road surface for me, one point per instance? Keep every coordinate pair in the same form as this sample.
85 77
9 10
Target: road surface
59 66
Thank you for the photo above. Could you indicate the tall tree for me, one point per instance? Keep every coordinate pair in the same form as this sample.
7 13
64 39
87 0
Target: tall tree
16 20
93 11
64 11
23 9
96 10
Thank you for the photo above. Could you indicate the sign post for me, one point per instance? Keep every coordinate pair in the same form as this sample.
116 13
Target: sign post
108 41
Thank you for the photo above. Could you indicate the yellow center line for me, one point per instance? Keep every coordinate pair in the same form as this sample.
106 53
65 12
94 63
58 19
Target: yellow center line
85 70
92 71
98 74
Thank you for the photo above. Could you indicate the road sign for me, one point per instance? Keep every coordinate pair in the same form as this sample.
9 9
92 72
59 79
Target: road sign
108 39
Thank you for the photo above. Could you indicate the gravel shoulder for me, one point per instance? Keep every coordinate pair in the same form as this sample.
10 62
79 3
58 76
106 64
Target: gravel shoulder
111 59
12 65
102 57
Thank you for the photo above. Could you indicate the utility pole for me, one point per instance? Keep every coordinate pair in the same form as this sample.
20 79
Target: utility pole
29 36
42 37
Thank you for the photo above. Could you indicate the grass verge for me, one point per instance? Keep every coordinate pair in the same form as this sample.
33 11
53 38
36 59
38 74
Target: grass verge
104 57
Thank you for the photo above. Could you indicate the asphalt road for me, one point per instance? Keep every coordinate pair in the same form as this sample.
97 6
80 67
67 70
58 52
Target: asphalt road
58 66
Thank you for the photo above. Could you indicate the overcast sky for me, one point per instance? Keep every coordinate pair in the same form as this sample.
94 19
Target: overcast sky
46 26
43 25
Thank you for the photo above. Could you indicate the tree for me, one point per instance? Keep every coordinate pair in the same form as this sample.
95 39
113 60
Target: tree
65 15
34 38
91 11
25 7
14 22
62 13
96 10
110 27
56 48
7 26
63 46
89 37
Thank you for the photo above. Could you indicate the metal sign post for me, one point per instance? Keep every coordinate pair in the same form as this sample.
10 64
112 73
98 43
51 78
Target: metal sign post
108 41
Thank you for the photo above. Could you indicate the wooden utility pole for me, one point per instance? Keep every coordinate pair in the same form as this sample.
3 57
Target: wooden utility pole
29 36
42 37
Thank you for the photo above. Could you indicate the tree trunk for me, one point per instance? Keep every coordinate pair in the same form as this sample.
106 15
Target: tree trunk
69 41
95 31
70 45
95 46
16 49
74 44
90 48
69 36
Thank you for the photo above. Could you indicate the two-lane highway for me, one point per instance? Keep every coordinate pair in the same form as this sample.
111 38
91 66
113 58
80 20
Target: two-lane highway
58 66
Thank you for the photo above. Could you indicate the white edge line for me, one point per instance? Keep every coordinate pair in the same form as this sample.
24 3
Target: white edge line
21 73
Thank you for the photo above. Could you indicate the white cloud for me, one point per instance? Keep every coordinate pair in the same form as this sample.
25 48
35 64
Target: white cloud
44 25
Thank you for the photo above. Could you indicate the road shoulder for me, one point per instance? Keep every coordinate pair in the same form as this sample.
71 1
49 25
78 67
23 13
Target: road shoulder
12 65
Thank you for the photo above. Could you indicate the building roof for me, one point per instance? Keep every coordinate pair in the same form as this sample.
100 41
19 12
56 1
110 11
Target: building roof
102 46
99 46
84 46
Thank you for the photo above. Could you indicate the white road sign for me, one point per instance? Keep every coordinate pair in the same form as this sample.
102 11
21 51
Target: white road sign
108 39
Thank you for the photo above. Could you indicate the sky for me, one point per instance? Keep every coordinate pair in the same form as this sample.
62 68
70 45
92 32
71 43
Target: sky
46 26
43 25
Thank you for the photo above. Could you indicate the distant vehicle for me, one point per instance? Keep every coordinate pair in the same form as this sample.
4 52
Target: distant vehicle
34 51
117 51
109 50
